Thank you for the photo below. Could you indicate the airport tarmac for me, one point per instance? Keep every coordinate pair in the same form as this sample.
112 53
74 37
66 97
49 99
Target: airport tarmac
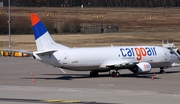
53 86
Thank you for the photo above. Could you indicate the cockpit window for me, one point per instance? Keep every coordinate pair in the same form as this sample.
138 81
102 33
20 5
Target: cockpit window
171 52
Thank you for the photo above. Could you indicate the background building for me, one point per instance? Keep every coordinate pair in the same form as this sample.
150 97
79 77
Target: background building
1 3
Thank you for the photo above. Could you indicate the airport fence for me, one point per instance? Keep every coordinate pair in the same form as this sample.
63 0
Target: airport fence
89 28
20 25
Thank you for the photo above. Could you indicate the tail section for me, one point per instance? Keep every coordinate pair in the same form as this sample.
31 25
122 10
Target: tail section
43 39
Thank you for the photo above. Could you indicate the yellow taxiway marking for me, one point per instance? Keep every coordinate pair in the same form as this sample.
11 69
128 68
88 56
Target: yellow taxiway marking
65 101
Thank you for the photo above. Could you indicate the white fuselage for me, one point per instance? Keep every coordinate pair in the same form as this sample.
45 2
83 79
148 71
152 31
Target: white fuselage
138 59
86 59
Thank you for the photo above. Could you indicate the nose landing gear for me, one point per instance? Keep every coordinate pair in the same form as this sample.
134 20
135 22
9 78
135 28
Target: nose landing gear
162 71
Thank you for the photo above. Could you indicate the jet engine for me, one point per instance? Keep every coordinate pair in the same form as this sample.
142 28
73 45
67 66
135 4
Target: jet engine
141 67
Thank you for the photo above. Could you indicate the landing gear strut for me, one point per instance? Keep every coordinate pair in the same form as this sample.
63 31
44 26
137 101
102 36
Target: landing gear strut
115 74
162 70
93 74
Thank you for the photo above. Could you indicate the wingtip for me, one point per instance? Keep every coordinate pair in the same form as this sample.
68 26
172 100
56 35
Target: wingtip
34 19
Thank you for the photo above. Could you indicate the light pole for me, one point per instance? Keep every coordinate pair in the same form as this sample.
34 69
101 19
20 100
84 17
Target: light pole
9 22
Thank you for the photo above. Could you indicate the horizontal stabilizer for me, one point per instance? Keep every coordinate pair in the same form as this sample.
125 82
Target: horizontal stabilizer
44 52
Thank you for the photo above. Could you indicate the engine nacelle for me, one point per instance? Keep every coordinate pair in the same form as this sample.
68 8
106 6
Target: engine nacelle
141 67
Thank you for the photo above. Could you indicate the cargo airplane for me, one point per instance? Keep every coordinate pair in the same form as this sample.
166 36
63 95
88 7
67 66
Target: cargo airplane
138 59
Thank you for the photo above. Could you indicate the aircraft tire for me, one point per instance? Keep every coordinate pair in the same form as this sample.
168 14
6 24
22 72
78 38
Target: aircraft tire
161 71
115 74
93 74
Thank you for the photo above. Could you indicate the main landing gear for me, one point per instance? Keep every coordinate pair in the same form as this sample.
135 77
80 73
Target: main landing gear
93 74
162 70
115 74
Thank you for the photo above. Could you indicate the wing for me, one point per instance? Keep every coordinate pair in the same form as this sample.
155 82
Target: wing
176 64
118 64
44 52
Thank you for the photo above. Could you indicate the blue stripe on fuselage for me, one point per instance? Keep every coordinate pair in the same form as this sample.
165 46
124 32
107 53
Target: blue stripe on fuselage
39 29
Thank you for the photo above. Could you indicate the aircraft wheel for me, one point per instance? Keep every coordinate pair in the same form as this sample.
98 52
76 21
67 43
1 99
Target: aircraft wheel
161 71
93 74
115 74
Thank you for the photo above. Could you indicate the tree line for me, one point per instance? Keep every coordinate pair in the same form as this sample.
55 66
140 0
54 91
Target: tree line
93 3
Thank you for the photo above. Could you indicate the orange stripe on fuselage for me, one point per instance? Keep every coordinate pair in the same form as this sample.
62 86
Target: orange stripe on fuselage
34 19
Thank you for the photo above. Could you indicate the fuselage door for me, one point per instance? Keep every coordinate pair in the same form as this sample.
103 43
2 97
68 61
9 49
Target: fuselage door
65 60
165 55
